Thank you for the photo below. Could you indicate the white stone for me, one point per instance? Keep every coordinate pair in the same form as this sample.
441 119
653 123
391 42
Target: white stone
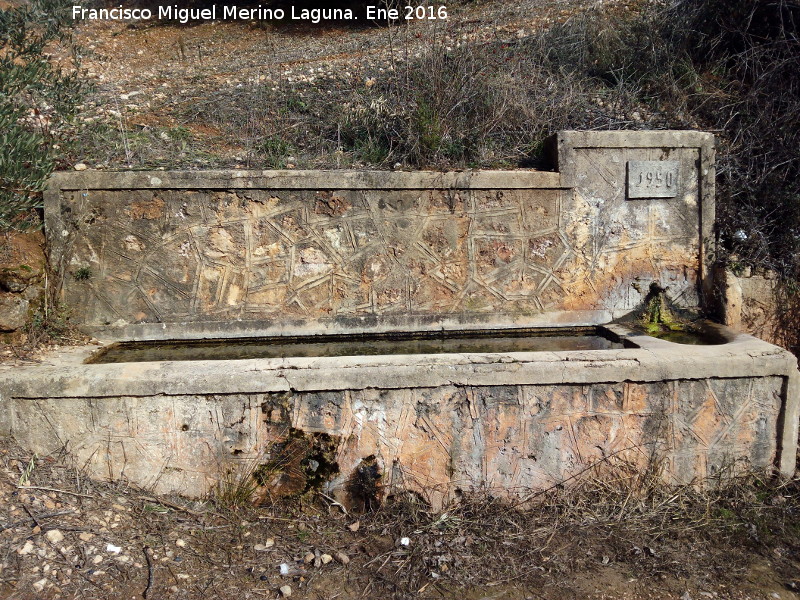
26 549
54 536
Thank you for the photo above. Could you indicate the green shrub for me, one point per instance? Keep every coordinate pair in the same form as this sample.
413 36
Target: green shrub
274 151
82 273
37 103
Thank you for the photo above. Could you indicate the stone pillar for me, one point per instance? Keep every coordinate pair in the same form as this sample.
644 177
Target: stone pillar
651 190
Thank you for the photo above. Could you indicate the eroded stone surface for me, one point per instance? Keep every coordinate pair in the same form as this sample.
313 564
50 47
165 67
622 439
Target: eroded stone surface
759 305
13 311
176 255
428 440
269 246
21 260
21 275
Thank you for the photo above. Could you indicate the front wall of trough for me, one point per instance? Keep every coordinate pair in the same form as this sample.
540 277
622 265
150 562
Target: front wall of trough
432 424
159 247
506 439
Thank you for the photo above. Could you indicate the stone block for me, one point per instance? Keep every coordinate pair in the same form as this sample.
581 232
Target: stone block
13 312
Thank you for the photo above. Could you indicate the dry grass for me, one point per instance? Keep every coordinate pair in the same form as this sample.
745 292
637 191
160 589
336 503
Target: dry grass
615 520
616 515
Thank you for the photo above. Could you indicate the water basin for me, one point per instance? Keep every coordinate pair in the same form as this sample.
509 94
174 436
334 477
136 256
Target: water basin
693 338
697 333
546 339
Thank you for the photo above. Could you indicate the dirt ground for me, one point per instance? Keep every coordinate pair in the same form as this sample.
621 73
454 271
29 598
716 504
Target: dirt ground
215 94
65 536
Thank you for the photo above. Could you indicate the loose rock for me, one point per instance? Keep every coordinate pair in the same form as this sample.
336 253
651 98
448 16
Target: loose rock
54 536
26 549
265 546
13 312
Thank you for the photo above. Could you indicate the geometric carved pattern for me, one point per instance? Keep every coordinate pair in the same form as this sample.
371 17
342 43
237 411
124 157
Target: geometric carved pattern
432 440
530 437
169 255
164 255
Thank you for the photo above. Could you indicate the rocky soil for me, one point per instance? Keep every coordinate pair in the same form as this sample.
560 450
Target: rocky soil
64 536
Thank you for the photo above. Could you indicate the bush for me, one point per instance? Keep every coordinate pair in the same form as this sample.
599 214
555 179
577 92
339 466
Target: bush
750 56
37 102
732 67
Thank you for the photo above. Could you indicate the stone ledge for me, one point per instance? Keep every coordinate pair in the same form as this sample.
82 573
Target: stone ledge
63 373
300 180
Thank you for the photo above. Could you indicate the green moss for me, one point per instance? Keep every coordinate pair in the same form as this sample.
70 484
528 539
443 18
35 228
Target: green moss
657 315
82 273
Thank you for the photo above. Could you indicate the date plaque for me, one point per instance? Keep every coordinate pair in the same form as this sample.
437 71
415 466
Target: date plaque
652 179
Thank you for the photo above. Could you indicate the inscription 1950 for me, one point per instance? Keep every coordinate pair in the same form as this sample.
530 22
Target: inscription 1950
652 178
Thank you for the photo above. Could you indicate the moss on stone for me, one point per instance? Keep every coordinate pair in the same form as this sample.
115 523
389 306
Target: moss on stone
657 315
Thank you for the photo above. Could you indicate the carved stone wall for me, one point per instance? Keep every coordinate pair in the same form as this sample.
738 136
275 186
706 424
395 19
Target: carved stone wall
171 255
310 246
433 441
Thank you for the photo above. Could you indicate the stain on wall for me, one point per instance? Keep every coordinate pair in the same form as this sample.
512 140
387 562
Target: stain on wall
431 441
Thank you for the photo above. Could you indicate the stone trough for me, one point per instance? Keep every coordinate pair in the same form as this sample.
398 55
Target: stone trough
162 256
